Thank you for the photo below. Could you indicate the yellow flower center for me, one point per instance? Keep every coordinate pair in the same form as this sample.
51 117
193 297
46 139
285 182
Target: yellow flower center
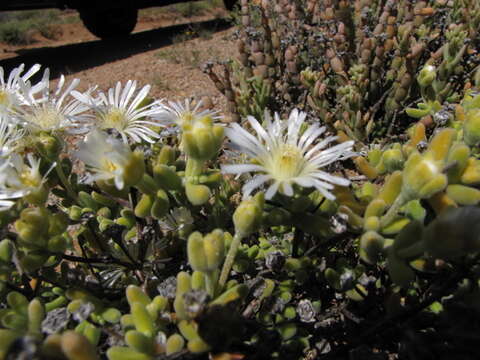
4 98
47 118
30 180
285 162
108 165
114 119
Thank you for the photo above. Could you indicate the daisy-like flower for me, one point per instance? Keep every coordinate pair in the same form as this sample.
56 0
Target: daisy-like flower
110 159
53 112
19 179
120 110
11 94
185 113
10 135
284 156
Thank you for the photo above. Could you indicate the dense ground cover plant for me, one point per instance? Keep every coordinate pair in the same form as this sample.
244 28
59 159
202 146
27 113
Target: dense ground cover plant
135 228
352 64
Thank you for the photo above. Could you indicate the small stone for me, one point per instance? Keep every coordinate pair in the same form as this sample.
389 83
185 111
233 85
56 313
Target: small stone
275 260
56 320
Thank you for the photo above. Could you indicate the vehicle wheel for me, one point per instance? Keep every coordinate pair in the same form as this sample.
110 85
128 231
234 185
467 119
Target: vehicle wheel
110 23
230 4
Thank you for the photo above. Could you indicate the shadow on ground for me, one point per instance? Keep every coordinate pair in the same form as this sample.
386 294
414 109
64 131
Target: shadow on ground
72 58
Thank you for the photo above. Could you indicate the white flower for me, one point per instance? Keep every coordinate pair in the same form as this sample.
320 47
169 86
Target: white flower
117 110
178 219
183 113
18 179
284 156
108 157
11 93
10 135
53 112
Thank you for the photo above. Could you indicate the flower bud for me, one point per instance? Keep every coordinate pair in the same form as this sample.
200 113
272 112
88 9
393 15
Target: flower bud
422 177
160 205
371 246
202 140
426 76
134 169
48 145
197 194
166 178
248 215
471 127
207 253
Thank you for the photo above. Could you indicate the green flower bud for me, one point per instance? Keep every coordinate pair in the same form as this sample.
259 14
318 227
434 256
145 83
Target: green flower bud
188 329
392 160
36 314
183 285
103 200
458 160
57 223
175 343
166 156
197 194
287 331
426 76
76 346
198 280
371 247
238 292
6 250
57 244
202 140
139 342
33 260
134 169
142 319
392 187
48 145
38 196
7 337
160 205
112 315
471 175
471 127
197 346
463 195
125 353
75 212
144 206
86 200
136 295
127 222
167 178
248 215
422 177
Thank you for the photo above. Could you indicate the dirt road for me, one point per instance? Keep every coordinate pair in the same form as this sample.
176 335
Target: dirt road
165 51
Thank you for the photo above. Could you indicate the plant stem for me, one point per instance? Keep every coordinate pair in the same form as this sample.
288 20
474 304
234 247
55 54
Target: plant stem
65 183
393 210
227 265
210 282
194 167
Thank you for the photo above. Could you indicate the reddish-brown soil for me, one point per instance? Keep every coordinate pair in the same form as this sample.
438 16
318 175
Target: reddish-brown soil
165 50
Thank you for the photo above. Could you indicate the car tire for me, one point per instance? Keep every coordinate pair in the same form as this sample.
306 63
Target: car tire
110 23
230 4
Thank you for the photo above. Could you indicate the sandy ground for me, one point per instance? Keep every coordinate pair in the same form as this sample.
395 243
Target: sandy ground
165 50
